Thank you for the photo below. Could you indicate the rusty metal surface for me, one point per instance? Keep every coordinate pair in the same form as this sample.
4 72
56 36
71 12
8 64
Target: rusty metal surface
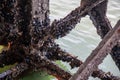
98 55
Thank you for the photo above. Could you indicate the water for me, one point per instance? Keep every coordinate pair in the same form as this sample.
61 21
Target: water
83 39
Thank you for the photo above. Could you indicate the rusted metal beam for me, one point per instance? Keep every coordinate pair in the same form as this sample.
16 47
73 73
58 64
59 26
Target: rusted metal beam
102 24
60 28
99 19
6 20
97 56
56 71
104 76
36 62
40 21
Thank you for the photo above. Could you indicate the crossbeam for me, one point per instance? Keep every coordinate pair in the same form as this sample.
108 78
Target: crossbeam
98 55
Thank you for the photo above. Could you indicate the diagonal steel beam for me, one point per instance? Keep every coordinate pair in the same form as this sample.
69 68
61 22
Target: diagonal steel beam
98 55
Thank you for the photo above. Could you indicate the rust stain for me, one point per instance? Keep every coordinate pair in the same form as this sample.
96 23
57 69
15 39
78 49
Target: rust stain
118 31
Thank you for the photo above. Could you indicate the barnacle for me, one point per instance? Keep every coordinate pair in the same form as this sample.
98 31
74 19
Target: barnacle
26 24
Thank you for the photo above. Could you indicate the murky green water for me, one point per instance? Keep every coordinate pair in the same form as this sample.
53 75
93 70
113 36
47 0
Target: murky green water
83 39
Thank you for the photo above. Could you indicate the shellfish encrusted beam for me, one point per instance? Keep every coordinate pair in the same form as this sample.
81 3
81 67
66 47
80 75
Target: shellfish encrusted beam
102 24
98 55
